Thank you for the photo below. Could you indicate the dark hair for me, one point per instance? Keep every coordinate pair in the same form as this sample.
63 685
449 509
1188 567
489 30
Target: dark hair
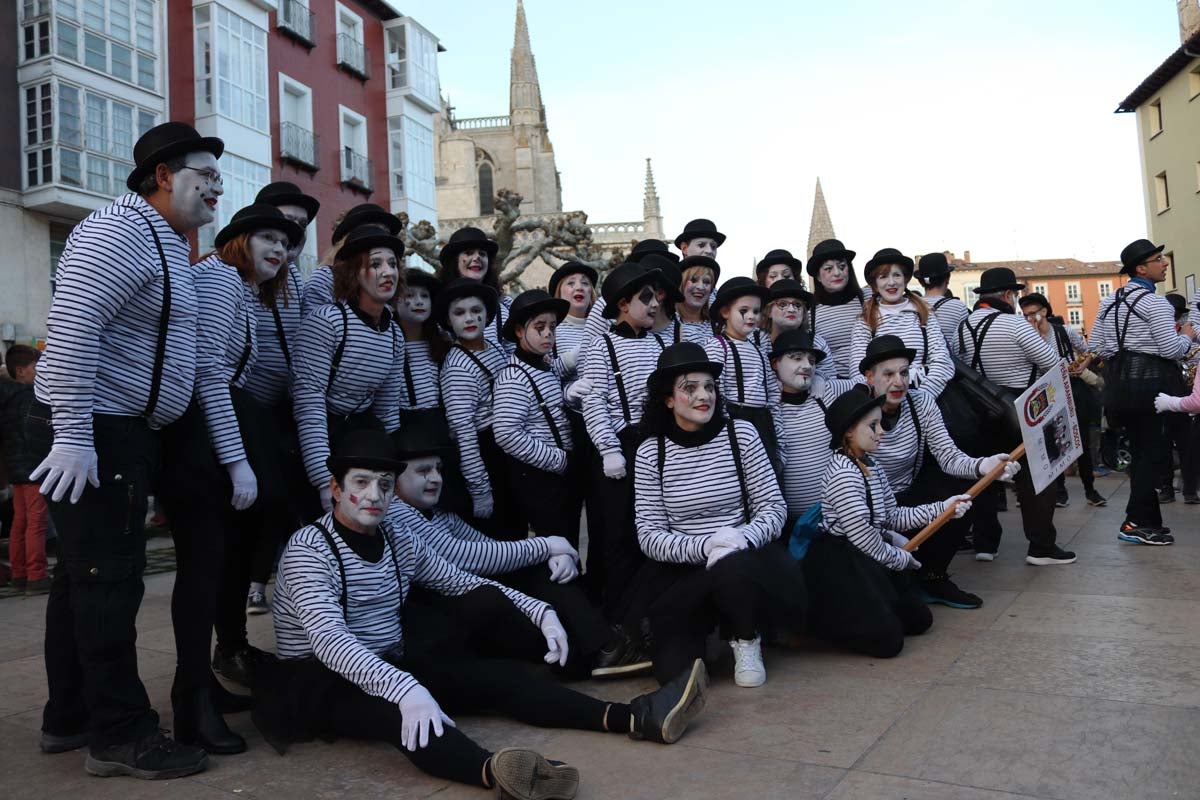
149 184
1036 299
490 278
18 356
345 277
823 295
657 419
933 281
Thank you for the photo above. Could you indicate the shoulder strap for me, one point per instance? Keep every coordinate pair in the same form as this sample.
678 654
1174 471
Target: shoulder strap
164 318
678 330
939 303
616 370
341 348
279 334
341 564
241 367
738 466
662 456
477 361
924 347
912 412
409 383
541 401
739 376
978 334
1123 330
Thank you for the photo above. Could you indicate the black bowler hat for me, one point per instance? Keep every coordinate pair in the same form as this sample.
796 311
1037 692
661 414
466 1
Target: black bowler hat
886 257
1178 302
164 142
701 261
776 257
830 248
934 265
368 238
527 306
365 449
257 217
1136 253
787 287
998 279
366 214
731 290
700 228
459 288
647 246
464 239
680 359
430 438
415 276
792 341
1036 299
881 348
623 283
849 407
671 277
572 268
286 193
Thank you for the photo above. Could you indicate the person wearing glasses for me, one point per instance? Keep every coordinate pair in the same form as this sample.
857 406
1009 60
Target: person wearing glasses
1135 330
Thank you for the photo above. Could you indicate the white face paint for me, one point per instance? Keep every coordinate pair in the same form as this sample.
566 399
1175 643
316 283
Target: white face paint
777 272
473 264
796 370
468 316
363 498
299 216
578 291
741 316
694 400
697 287
420 484
866 434
890 282
377 280
640 310
787 314
268 249
417 305
195 189
537 335
834 274
702 246
890 377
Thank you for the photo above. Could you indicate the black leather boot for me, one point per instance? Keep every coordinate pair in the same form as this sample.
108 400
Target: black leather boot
228 702
198 722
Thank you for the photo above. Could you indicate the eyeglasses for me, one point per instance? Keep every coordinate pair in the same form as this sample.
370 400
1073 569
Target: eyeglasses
212 177
1160 258
789 305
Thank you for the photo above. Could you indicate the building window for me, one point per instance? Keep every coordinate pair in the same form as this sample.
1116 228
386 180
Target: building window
1075 317
36 37
396 58
396 156
418 163
1104 289
1042 289
1073 295
34 8
231 67
1162 197
351 52
297 142
487 193
242 179
295 19
412 62
1156 119
66 40
118 38
355 166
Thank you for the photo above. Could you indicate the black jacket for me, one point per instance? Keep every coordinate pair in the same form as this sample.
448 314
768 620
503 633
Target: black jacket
19 459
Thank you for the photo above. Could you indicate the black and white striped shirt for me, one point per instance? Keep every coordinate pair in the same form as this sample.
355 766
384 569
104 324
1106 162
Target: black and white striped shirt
104 322
805 443
868 524
270 379
520 424
755 384
318 290
1013 352
450 536
931 369
1151 325
467 395
225 349
493 332
678 509
596 326
603 410
310 621
699 332
421 388
950 312
368 377
836 325
568 346
919 424
1194 310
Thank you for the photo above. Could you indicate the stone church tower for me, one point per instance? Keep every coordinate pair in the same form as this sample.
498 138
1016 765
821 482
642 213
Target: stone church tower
821 227
1189 19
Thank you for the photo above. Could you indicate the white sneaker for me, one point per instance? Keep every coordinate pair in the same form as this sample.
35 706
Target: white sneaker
748 669
984 556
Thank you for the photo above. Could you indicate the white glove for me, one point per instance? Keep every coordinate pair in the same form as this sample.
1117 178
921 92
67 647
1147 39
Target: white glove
897 540
482 506
614 466
245 485
961 503
560 547
732 538
562 568
556 639
570 358
718 552
576 392
915 376
67 467
910 561
1165 402
1011 468
418 711
326 494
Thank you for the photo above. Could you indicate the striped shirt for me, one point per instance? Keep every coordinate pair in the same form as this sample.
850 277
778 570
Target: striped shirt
836 325
950 312
104 322
467 395
420 388
919 425
568 343
596 326
225 349
604 413
493 333
1194 310
450 536
805 443
697 492
318 290
519 422
1151 325
367 378
1013 353
270 378
932 368
699 332
868 524
755 384
310 621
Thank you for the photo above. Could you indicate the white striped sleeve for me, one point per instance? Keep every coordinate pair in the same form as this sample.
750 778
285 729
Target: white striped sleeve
939 368
599 375
826 366
1039 351
220 334
313 359
911 518
844 506
654 533
318 290
460 394
1102 328
517 420
466 548
596 326
385 404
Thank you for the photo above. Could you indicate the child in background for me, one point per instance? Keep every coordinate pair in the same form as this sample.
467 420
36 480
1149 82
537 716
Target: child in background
27 540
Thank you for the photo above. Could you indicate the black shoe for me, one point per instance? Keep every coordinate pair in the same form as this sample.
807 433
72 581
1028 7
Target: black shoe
1166 495
1002 501
1138 534
156 757
1045 556
624 656
228 702
1094 498
54 743
664 715
940 589
198 722
1063 499
521 774
1191 499
238 666
967 545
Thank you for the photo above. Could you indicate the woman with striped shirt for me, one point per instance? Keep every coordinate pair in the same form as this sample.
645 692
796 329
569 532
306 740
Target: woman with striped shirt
839 300
470 255
698 280
318 290
425 346
894 310
350 355
788 303
215 458
860 588
707 504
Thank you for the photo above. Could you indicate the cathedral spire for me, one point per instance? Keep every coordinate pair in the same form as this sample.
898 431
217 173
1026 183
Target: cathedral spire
821 227
651 212
525 94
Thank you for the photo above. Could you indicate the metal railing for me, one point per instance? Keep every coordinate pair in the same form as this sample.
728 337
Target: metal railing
295 19
353 55
356 170
299 145
479 122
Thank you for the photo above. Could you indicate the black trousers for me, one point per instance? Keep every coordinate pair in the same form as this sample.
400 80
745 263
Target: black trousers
96 589
1147 452
545 500
614 543
1084 406
1037 513
930 485
1178 433
583 455
505 523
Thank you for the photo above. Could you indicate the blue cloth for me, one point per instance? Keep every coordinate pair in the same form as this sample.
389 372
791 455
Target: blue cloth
1145 283
806 529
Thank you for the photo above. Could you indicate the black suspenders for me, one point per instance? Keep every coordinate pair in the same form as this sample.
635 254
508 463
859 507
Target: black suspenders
241 367
736 449
541 401
164 317
342 601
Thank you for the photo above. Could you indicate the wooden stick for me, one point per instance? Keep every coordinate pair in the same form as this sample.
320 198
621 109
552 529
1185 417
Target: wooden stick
974 491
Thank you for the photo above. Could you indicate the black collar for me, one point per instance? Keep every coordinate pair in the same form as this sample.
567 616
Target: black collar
794 398
535 361
368 547
627 331
385 319
839 298
704 435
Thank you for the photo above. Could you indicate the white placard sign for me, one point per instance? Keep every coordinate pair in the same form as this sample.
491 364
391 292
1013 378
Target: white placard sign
1049 426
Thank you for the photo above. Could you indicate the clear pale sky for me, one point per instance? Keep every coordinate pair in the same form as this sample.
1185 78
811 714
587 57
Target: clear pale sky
981 125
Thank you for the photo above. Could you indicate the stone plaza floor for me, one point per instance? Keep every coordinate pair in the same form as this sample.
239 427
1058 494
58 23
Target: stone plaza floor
1078 681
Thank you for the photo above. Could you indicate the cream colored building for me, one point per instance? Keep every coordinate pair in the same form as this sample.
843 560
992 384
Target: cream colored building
1167 105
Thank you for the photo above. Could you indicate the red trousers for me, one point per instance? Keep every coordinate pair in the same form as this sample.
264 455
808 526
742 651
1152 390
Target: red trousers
27 540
